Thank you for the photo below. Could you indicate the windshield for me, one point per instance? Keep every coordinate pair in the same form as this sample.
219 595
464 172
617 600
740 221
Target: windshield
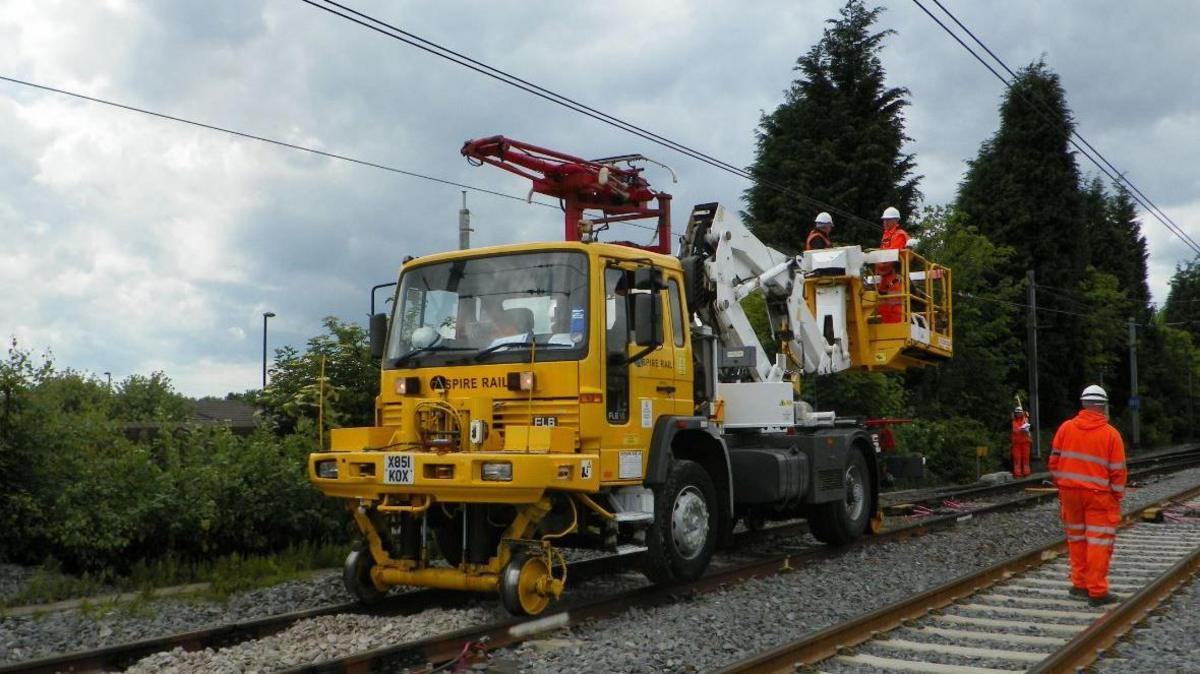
491 308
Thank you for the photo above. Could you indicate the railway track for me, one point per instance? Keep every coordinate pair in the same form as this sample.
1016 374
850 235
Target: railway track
445 647
1015 616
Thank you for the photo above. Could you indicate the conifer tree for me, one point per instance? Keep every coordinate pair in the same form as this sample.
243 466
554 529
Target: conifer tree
837 137
1023 191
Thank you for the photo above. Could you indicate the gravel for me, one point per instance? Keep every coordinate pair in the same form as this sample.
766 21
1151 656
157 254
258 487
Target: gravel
1165 641
697 633
311 641
708 631
55 633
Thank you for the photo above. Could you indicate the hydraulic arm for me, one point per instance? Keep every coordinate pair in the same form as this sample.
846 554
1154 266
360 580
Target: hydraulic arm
619 192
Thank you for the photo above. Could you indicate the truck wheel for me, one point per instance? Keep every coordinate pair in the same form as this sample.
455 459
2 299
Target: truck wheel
842 521
681 541
356 576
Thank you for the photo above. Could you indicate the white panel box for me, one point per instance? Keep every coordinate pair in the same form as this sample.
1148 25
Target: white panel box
758 404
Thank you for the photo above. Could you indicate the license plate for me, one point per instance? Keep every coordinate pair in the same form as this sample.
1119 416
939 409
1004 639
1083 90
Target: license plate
398 469
545 421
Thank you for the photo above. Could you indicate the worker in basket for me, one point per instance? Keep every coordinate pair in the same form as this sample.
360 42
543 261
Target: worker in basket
891 310
818 238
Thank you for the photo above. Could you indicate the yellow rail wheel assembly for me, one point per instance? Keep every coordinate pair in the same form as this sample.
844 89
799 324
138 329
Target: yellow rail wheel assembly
527 584
356 576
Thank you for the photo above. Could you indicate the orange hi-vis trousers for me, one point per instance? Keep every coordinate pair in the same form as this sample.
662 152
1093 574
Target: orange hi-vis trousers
1091 518
1021 445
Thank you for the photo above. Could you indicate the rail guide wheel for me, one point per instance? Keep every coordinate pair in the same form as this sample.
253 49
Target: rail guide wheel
526 584
356 576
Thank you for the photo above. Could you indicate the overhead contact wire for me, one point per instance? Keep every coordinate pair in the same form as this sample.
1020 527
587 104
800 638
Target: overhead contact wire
1119 178
264 139
409 38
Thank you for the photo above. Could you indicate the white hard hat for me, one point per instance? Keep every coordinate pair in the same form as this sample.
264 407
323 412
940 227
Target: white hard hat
1094 394
890 213
823 219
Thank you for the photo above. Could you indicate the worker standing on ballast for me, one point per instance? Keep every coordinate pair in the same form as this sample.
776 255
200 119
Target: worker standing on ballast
818 238
1087 463
1021 442
891 310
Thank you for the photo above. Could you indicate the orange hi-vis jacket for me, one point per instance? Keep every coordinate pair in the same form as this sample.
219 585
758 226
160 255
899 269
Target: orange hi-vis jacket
817 240
1088 453
894 237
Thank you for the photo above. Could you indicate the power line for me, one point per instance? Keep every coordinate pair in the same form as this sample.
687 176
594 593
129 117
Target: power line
1120 175
272 141
409 38
1118 178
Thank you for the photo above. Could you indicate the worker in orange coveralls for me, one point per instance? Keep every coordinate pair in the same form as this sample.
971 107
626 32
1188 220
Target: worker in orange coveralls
1021 442
1087 463
891 310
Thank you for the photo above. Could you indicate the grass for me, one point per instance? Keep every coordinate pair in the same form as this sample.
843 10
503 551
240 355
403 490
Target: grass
226 575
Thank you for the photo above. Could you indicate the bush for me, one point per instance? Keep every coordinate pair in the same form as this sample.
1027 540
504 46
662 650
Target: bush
949 446
75 490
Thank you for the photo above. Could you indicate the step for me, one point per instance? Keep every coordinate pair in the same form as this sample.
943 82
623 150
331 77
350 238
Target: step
633 517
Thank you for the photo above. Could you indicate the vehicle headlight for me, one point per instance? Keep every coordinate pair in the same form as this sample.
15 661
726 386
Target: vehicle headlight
499 471
327 469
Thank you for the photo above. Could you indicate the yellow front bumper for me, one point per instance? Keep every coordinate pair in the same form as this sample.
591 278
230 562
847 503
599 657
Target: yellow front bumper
457 476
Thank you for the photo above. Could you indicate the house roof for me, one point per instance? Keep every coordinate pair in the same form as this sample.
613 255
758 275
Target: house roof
233 413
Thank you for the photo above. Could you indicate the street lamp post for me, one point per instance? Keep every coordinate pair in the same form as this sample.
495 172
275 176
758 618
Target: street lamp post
266 315
108 375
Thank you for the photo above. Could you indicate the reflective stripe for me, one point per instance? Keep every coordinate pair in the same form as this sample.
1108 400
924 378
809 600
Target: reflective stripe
1054 451
1118 487
1084 457
1103 530
1101 541
1076 526
1117 466
1080 476
1076 538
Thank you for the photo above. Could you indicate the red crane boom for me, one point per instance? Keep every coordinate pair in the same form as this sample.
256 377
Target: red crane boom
620 193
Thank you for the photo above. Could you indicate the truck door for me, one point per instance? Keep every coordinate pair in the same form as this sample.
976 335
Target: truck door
635 394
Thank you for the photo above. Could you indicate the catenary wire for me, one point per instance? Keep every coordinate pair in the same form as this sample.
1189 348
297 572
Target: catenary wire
440 51
1120 174
264 139
1165 221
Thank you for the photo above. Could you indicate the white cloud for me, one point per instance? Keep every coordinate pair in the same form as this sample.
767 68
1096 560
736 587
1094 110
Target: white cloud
138 244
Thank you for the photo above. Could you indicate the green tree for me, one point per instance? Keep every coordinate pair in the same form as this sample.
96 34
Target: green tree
349 390
837 137
1023 191
988 354
1104 329
153 398
1182 308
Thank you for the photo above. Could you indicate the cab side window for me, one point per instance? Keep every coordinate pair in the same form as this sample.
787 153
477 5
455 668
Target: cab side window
677 320
616 345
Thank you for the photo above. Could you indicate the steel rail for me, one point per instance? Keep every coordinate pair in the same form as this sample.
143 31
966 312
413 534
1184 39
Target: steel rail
443 648
1087 645
122 655
790 657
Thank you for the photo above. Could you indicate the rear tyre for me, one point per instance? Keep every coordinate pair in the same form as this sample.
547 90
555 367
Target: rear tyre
356 576
683 536
843 521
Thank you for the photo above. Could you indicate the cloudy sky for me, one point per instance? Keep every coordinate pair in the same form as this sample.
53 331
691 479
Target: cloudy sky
132 244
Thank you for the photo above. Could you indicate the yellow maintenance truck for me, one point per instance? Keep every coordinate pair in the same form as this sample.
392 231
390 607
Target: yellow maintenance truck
614 395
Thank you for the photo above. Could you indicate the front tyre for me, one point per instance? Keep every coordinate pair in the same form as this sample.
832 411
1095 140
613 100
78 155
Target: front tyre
683 536
356 576
844 521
